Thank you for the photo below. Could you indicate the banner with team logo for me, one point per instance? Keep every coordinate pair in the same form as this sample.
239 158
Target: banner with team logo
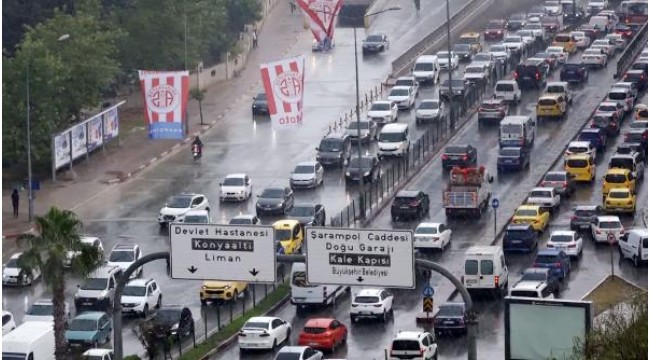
320 15
284 84
165 102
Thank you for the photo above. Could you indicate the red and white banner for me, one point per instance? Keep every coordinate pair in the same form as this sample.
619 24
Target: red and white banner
284 84
165 102
320 15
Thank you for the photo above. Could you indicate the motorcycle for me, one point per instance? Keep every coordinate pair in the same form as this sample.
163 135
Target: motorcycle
196 152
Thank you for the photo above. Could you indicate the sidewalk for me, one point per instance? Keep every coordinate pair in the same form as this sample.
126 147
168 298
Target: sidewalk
136 152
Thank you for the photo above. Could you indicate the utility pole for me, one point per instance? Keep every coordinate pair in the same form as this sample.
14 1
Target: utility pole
452 119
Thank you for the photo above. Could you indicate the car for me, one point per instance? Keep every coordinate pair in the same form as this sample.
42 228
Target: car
631 87
550 24
596 6
581 39
220 291
542 274
625 97
596 136
244 219
325 334
198 217
556 260
559 88
464 155
640 112
13 273
607 45
236 187
97 292
546 197
476 73
177 207
528 37
562 181
500 53
403 96
605 225
495 29
612 107
620 200
459 87
551 106
538 30
624 30
289 236
416 345
639 77
492 110
520 238
8 322
308 214
567 41
371 303
429 110
593 57
591 32
172 322
636 135
473 39
561 55
516 21
532 214
334 149
508 90
443 60
463 51
607 121
307 174
551 59
639 124
450 318
553 7
486 59
274 200
566 240
619 41
375 43
631 162
531 73
89 330
409 204
410 81
633 245
366 168
298 353
98 354
641 64
618 178
93 241
124 255
632 148
260 104
584 215
263 332
513 158
581 147
430 235
140 296
43 310
382 111
581 167
531 289
514 44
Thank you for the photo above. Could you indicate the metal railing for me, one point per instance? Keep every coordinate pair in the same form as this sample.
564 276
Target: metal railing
629 54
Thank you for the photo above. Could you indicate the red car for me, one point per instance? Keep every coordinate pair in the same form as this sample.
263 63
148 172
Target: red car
495 30
323 334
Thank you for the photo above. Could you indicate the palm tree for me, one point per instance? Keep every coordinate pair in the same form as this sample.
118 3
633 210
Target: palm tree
58 234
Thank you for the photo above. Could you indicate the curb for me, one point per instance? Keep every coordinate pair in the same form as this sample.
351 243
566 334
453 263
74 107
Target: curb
31 230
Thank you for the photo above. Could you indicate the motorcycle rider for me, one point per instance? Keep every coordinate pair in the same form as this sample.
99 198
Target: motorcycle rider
197 142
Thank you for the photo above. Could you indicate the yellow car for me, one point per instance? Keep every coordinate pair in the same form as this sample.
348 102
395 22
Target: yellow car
620 200
534 215
640 112
567 41
473 39
581 166
618 178
551 106
222 291
289 235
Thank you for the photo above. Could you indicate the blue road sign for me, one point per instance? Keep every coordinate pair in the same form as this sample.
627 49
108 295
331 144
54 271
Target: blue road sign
495 203
428 291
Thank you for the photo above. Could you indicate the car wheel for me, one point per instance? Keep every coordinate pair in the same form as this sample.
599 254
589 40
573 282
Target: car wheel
635 260
145 310
353 318
204 302
384 317
275 344
159 302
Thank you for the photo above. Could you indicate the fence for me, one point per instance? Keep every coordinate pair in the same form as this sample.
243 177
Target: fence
640 40
365 101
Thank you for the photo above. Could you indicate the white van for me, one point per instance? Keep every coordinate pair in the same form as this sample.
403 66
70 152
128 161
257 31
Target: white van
485 270
517 131
394 140
33 340
426 69
599 22
507 90
304 294
633 245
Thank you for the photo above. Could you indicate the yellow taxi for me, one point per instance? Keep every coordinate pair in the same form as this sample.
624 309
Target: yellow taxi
222 291
534 215
620 200
473 39
551 106
640 112
581 166
289 234
567 41
618 178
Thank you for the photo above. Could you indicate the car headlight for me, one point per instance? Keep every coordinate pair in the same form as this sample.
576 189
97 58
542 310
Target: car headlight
76 296
175 327
203 287
387 117
367 173
458 91
347 173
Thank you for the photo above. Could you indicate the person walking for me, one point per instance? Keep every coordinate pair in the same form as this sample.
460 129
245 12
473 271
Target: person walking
254 38
15 199
292 6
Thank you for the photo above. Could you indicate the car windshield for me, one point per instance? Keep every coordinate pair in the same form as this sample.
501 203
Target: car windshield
121 256
512 39
391 137
423 66
374 38
504 87
256 325
429 105
366 299
610 225
196 219
168 315
547 102
41 310
512 129
282 234
304 169
233 181
462 48
83 325
617 95
474 69
533 276
406 345
314 330
95 284
497 48
555 177
380 107
364 162
562 38
261 96
607 108
615 178
509 152
494 24
517 234
555 89
240 221
482 57
302 211
584 212
546 259
287 356
404 82
401 200
134 291
467 40
454 83
12 263
330 145
427 230
619 194
624 163
179 202
299 279
639 124
399 92
540 193
561 238
578 149
272 193
526 212
517 17
443 55
455 150
451 310
577 163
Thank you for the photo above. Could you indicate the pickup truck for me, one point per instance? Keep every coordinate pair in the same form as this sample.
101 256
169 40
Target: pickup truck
468 192
546 197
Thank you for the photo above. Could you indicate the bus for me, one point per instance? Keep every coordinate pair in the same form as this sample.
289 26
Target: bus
634 12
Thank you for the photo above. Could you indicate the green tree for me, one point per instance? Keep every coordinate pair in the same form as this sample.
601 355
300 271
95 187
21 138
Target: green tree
59 233
198 95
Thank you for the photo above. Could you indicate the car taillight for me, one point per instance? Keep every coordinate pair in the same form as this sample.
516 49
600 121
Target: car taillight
435 238
549 245
444 157
598 231
377 305
354 305
521 140
422 350
496 281
574 218
241 333
265 334
572 246
622 230
413 203
465 157
516 75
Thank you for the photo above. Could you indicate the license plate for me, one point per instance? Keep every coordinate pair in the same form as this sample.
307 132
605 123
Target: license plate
516 241
87 303
313 344
585 226
404 207
449 322
472 282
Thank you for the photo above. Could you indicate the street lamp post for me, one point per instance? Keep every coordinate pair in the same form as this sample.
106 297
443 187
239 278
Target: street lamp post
452 120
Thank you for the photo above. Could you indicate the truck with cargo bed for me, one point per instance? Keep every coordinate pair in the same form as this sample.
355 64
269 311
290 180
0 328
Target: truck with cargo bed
468 191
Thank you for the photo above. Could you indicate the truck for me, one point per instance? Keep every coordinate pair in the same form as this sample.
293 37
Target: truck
33 340
468 191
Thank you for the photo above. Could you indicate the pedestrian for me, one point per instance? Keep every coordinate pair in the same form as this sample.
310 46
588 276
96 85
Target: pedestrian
292 6
15 198
254 38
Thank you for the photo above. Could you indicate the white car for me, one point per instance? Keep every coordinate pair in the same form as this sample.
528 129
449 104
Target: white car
414 345
500 53
13 274
597 5
429 109
8 322
545 197
531 289
88 240
198 217
443 60
634 245
264 332
308 174
476 73
298 353
604 44
553 7
619 41
566 240
403 96
431 236
606 225
514 43
527 36
630 86
582 40
177 207
409 81
621 96
581 147
140 296
98 354
559 52
43 310
594 57
508 90
123 255
383 111
537 28
371 303
237 187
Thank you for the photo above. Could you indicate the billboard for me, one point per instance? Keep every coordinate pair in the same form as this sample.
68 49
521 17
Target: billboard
79 140
165 102
62 154
111 124
95 133
284 85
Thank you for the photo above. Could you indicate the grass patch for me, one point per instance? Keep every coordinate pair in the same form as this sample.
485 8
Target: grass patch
610 292
197 353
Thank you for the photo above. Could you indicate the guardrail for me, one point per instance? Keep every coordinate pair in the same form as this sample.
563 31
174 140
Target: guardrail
629 54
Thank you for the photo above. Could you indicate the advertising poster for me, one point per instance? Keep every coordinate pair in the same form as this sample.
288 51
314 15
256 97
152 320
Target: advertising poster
111 125
62 146
79 141
95 133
